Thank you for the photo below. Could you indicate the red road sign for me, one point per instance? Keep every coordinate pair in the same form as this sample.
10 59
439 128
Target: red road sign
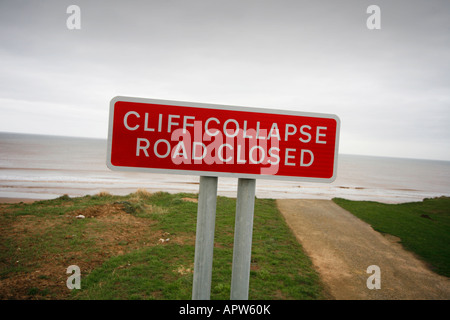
216 140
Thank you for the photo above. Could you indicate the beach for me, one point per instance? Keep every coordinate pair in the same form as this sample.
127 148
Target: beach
17 200
46 167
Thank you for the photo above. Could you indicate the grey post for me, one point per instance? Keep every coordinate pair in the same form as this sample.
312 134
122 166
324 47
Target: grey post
204 242
245 207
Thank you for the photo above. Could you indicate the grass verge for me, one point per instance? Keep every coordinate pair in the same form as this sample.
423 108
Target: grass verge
423 227
141 246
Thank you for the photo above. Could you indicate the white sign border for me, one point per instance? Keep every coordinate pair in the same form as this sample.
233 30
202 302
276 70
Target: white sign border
221 107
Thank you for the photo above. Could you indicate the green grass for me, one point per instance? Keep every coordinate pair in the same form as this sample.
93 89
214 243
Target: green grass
280 270
121 260
423 227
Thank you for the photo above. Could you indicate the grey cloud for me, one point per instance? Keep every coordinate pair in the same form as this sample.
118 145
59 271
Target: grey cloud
303 55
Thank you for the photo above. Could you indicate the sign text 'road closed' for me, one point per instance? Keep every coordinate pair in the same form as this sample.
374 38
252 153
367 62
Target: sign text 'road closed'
215 140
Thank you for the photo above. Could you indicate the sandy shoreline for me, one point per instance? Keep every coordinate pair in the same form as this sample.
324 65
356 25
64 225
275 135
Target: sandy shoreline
17 200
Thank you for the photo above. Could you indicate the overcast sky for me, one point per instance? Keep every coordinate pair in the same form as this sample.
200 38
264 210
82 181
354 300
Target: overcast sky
390 87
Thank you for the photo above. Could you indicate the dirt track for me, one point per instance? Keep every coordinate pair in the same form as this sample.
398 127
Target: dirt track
342 247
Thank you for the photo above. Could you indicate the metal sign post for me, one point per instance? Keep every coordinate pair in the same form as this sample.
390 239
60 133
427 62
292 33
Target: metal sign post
204 242
245 206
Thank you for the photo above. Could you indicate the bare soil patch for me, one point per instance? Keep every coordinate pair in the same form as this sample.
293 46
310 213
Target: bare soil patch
108 231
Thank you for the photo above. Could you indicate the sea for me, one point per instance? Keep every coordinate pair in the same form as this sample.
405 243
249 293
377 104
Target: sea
47 167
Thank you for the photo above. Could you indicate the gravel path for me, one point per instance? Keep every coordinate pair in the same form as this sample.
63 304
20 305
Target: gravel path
342 247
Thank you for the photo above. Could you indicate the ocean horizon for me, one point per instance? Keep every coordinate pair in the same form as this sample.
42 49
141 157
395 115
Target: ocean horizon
36 166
